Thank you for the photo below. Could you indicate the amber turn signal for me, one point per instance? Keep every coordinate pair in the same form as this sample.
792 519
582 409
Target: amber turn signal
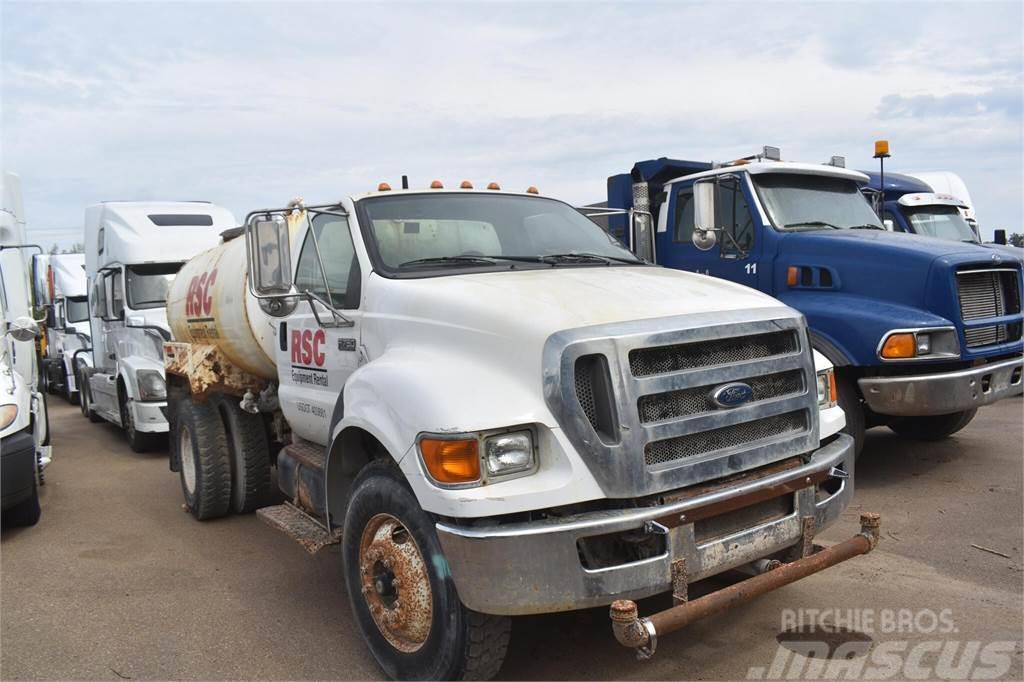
899 346
451 461
792 275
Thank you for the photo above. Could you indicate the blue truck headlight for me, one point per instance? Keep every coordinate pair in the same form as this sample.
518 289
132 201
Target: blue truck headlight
8 413
826 389
151 385
509 453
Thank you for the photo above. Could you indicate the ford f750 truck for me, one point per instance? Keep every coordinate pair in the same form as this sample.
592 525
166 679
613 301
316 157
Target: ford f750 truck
922 332
498 410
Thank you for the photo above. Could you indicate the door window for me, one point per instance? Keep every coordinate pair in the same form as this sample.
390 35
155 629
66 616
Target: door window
684 215
339 262
116 295
99 297
734 217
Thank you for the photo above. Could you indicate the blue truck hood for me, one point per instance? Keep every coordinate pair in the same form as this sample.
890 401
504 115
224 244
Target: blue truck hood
879 246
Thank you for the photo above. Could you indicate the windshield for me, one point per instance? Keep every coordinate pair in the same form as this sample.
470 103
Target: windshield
77 309
499 232
795 201
147 284
944 222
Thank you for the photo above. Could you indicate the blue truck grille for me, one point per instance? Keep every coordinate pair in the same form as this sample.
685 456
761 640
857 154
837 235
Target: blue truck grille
986 293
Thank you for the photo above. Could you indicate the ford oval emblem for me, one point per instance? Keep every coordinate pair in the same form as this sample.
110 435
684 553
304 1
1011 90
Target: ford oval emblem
732 395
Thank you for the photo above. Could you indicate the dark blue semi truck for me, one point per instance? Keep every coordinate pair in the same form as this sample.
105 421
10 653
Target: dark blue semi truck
922 331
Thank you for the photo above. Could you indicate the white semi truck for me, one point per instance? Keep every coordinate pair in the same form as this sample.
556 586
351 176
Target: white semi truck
498 410
59 281
24 425
132 252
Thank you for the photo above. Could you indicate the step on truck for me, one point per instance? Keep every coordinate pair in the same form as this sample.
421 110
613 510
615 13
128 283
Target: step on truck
922 332
60 287
498 410
132 252
24 422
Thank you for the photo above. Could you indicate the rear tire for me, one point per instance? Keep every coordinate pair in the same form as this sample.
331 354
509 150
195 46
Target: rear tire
249 452
26 512
932 428
413 636
205 466
849 399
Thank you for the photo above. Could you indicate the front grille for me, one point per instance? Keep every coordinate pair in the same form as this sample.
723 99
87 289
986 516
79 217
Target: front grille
746 433
663 359
691 401
989 293
594 391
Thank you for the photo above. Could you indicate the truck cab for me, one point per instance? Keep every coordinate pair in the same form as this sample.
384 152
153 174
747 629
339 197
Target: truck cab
24 422
132 252
922 331
60 286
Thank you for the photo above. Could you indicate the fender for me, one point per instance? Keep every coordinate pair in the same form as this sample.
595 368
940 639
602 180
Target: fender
860 321
407 391
127 368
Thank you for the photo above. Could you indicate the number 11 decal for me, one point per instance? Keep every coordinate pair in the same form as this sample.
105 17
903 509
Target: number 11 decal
751 268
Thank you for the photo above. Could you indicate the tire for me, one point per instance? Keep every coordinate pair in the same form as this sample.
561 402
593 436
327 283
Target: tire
449 642
138 441
249 453
85 404
848 398
205 467
26 512
69 395
932 428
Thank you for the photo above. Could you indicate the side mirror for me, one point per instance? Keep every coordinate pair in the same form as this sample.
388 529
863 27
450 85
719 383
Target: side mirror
1000 237
704 235
889 225
270 255
23 329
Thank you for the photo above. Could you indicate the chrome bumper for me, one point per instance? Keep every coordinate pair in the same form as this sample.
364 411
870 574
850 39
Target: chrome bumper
931 394
534 567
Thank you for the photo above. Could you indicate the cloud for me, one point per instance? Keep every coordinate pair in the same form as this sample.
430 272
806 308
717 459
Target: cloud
231 102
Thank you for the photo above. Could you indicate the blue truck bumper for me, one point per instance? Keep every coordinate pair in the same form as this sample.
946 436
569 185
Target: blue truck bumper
924 395
17 468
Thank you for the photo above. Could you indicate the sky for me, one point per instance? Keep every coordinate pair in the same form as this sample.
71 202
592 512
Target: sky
252 104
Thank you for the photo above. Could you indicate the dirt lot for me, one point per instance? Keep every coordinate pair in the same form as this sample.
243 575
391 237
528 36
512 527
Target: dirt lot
117 582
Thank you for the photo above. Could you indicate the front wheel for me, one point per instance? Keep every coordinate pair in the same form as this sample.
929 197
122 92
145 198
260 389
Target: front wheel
205 468
85 403
138 441
402 596
932 428
26 512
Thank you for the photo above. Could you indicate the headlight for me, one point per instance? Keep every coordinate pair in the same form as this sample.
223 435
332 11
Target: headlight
920 344
509 453
826 389
8 413
151 385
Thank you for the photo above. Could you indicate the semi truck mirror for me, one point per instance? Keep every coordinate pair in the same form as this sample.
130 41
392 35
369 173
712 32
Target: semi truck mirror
270 255
999 236
23 329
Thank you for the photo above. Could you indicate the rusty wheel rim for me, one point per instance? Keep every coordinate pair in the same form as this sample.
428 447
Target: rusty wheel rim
395 583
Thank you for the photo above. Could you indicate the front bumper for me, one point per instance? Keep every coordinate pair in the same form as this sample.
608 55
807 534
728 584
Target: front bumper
150 417
535 566
924 395
17 467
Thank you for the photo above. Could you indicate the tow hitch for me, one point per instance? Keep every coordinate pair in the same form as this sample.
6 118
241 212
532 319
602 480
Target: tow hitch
642 633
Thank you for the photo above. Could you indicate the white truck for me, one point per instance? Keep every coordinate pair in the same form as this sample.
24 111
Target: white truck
24 426
59 281
498 410
132 252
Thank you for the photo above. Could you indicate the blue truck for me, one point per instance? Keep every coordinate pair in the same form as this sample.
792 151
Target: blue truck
922 331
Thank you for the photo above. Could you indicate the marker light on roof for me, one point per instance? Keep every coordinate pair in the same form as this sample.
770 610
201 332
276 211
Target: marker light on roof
532 190
838 161
436 184
493 185
383 187
466 184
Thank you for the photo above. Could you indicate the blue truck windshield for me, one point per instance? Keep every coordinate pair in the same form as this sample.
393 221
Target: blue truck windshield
944 222
414 232
802 202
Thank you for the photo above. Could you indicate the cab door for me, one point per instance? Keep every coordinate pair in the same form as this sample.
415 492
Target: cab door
735 256
315 356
